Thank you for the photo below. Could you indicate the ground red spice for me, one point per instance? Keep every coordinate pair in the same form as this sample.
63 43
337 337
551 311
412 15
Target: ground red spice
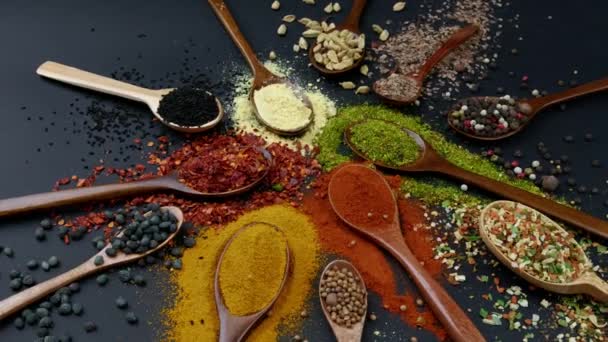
337 237
362 198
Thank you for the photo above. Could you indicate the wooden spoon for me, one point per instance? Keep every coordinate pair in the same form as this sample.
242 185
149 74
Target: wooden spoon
235 328
459 326
416 79
430 161
351 23
262 77
151 97
344 334
23 299
170 182
531 107
588 282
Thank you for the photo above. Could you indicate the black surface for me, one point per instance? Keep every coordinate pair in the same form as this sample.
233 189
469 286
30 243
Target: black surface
171 40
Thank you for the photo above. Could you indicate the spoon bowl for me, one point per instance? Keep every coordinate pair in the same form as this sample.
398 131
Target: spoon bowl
351 23
262 77
170 182
431 161
151 97
23 299
418 77
234 328
588 282
344 334
389 236
531 107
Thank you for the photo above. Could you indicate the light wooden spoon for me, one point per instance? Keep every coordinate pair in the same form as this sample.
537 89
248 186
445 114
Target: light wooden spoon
235 328
262 77
459 326
588 282
35 293
151 97
344 334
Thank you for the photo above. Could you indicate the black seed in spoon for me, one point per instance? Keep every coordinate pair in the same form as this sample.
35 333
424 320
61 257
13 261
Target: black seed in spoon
188 106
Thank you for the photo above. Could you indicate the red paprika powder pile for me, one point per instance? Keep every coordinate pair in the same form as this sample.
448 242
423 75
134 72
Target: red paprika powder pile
336 237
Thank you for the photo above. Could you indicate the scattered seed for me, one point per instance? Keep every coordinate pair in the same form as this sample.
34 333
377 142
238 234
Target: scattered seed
303 44
399 6
362 90
53 261
290 18
337 7
348 85
90 326
377 28
384 35
32 264
131 317
275 5
329 8
121 303
282 30
8 252
309 2
102 279
403 307
272 55
364 70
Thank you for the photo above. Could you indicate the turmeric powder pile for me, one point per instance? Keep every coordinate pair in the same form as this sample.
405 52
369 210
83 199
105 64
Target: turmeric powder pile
252 268
193 316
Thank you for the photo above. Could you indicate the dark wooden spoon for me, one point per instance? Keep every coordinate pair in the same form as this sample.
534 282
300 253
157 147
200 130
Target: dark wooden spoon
430 161
235 328
459 326
34 294
351 23
262 77
417 78
531 107
170 182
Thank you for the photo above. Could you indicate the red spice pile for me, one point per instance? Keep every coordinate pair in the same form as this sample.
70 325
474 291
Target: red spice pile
337 237
220 164
285 182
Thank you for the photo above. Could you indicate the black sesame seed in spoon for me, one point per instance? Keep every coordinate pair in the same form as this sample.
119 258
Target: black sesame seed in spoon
188 107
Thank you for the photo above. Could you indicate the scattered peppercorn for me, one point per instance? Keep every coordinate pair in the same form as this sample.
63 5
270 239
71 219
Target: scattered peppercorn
90 326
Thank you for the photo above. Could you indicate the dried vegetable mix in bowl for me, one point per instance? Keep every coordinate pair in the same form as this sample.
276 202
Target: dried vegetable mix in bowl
222 164
534 244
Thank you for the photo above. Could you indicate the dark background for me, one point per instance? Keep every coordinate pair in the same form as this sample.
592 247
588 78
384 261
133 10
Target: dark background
47 134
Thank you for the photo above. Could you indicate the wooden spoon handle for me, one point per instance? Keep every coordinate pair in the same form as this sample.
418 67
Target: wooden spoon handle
354 16
23 204
459 37
584 89
547 206
21 300
595 286
459 326
221 10
88 80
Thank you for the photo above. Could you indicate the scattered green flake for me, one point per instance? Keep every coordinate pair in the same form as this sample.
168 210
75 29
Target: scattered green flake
483 313
385 142
483 278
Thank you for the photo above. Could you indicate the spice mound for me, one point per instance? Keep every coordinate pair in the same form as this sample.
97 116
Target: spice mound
252 268
343 296
384 142
361 196
143 230
222 165
339 49
534 244
398 87
280 107
488 116
188 106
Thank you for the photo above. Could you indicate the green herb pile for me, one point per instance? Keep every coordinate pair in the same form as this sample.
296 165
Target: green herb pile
384 142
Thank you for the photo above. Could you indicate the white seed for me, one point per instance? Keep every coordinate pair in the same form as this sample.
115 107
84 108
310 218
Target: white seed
309 2
303 44
362 90
377 28
384 35
337 7
319 58
399 6
364 70
304 21
329 8
348 85
289 18
310 33
296 48
275 5
282 30
272 55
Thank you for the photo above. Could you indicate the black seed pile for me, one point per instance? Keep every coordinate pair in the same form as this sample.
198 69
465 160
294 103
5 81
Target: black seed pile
188 106
488 116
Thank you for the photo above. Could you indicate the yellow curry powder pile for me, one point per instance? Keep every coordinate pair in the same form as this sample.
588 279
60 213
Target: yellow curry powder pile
253 268
193 316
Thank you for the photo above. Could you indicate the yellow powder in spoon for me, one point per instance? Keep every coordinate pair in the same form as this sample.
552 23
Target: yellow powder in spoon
193 315
253 268
280 107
